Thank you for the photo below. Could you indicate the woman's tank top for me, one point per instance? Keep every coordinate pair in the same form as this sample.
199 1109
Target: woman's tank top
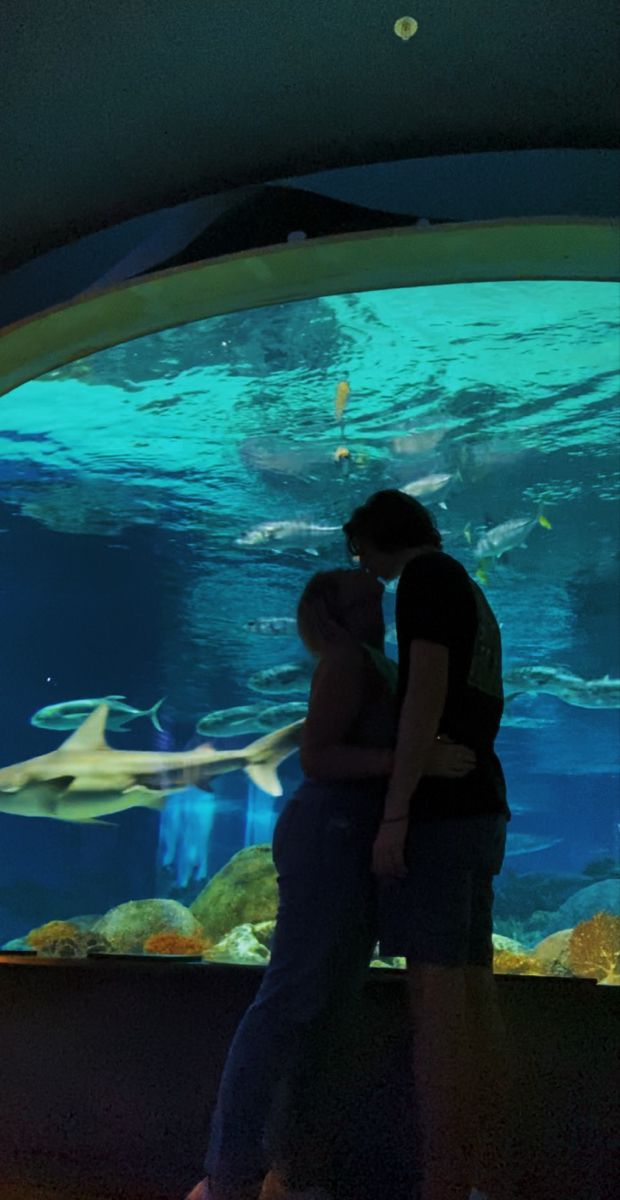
377 720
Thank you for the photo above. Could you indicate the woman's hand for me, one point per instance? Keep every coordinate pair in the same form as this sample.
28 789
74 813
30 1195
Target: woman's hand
388 852
450 759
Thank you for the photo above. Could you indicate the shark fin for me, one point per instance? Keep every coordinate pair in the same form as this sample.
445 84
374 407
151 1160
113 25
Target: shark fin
60 782
265 776
265 755
90 735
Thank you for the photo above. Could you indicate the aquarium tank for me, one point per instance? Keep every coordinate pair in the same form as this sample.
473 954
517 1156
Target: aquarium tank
162 504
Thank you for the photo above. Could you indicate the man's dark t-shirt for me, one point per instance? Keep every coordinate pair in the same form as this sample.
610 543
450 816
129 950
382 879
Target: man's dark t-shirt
437 601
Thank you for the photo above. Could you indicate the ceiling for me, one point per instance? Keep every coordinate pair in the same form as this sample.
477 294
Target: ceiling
114 108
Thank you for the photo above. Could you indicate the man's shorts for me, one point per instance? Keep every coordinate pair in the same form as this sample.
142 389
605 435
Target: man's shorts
442 912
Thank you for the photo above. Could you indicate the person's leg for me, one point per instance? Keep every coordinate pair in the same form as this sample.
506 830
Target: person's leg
441 1069
488 1081
490 1076
319 879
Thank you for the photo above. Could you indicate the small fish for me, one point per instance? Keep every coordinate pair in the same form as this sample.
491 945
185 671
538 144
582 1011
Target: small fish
277 715
277 626
557 681
69 714
529 843
288 533
504 537
229 722
429 485
342 395
289 677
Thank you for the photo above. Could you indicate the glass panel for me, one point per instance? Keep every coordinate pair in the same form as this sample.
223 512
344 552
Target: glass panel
137 493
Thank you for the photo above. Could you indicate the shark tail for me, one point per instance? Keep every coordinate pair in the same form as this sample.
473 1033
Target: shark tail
265 755
152 713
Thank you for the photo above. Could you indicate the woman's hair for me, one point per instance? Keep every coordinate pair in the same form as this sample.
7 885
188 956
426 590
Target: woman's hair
318 607
391 520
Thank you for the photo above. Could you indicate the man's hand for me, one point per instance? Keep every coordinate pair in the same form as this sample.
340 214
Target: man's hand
388 852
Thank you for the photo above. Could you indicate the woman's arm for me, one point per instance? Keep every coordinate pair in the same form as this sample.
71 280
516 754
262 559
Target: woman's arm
335 701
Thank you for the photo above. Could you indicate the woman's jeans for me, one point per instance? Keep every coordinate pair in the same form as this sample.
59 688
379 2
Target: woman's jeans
324 937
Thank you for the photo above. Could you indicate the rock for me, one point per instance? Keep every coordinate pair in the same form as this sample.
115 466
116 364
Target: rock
18 944
553 952
507 943
127 926
245 891
240 945
603 896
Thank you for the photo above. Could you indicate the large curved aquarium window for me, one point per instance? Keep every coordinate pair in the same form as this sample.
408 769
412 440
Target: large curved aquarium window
162 503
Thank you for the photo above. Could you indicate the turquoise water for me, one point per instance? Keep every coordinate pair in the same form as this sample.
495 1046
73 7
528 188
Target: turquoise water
127 479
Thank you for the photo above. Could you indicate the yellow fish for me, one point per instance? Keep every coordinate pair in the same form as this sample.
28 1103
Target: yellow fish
342 395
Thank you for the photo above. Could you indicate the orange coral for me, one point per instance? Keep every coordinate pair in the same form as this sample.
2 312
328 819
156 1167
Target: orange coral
594 948
46 936
507 963
174 943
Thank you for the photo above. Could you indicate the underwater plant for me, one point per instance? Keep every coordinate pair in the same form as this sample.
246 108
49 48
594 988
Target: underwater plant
594 948
507 963
175 943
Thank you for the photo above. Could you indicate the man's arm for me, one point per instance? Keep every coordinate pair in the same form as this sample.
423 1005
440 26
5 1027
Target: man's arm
419 721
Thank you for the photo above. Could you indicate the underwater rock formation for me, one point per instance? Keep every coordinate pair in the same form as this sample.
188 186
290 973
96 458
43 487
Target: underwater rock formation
240 945
552 953
128 926
603 896
244 891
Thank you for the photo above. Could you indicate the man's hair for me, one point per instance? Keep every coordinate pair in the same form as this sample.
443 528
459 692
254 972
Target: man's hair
392 521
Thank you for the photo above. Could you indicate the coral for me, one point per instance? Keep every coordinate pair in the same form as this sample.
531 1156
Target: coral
174 943
128 926
240 945
602 868
245 891
594 948
518 897
507 963
49 934
63 939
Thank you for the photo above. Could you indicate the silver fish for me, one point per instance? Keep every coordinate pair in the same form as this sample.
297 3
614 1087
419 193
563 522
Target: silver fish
428 486
508 536
556 681
278 715
230 722
277 626
297 534
289 677
69 714
85 779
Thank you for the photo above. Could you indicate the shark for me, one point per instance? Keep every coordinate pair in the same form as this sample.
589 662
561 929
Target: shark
86 779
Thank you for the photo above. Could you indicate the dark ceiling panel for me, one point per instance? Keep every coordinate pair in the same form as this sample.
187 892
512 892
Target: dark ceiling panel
113 108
